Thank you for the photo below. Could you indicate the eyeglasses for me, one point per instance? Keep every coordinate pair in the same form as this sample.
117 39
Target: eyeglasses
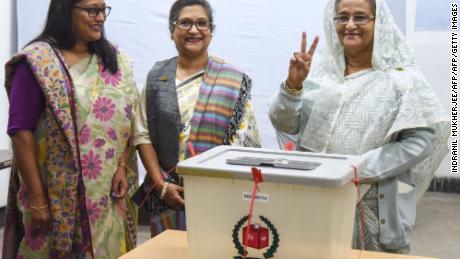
187 24
357 19
94 11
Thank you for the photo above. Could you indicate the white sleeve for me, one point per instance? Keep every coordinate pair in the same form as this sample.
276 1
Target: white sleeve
285 111
410 147
141 130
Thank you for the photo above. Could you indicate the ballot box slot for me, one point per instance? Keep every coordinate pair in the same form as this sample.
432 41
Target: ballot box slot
293 155
274 162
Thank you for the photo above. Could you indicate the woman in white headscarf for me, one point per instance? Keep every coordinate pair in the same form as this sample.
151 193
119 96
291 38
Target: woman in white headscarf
364 95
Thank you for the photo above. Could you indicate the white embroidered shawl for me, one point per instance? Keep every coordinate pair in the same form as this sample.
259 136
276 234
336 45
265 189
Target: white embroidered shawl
365 110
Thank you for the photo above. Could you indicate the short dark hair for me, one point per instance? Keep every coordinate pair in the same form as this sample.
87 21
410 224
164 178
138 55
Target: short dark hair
371 3
177 7
59 32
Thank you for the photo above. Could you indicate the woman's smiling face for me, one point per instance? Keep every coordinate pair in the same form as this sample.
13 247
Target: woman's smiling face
192 42
88 29
355 37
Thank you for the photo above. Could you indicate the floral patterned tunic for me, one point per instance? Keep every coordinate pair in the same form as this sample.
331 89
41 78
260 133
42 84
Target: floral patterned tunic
86 220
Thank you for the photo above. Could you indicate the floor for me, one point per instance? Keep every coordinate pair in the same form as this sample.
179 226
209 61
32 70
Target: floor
437 231
436 234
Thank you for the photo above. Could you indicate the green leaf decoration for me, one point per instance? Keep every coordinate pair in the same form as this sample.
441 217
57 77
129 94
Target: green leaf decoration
272 250
235 236
236 241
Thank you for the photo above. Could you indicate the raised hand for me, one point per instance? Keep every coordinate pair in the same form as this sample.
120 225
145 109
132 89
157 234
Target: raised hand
299 65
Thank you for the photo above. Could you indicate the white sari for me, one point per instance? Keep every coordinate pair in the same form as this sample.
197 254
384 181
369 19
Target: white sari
388 113
360 112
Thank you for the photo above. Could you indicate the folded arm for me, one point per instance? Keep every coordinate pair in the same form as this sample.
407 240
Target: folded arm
410 147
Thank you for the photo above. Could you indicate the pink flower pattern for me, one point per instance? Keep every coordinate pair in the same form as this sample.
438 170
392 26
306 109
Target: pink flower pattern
103 114
129 111
104 201
104 108
22 196
109 78
34 240
112 134
98 143
91 165
85 134
109 153
94 212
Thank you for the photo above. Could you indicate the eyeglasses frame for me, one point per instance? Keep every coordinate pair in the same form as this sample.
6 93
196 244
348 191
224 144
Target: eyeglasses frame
194 23
352 17
105 11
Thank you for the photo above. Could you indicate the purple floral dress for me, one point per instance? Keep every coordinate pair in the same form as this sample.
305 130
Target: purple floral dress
77 158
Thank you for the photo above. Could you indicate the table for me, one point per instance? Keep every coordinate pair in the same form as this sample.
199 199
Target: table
173 244
5 162
5 158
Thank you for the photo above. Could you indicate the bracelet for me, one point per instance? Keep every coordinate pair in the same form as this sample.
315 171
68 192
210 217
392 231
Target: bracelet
123 165
164 190
292 91
39 207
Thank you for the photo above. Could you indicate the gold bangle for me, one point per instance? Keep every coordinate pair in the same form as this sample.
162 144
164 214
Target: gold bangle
123 165
39 207
292 91
164 190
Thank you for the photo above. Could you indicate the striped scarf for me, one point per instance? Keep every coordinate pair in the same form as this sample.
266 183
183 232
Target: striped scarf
219 92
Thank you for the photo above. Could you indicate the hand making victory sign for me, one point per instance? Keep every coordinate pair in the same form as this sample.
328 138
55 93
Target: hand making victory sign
299 65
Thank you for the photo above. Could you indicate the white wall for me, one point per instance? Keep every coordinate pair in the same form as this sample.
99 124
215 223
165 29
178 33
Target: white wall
7 47
247 34
432 49
257 35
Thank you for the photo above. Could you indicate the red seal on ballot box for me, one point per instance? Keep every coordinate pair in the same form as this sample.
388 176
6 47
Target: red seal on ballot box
254 235
257 237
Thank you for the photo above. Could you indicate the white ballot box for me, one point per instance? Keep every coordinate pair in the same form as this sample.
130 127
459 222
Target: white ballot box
304 208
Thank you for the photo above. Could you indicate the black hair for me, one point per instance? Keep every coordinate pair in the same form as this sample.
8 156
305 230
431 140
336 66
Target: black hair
177 7
371 3
59 32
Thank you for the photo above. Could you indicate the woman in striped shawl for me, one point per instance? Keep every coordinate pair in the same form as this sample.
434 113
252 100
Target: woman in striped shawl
190 103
